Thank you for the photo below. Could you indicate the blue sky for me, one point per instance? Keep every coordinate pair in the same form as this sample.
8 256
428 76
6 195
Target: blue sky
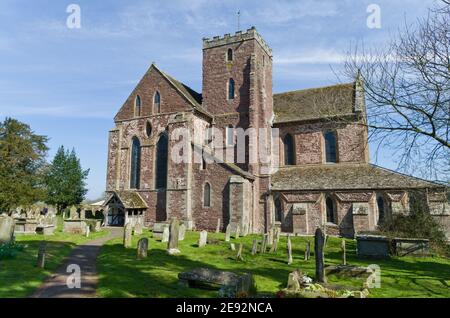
69 83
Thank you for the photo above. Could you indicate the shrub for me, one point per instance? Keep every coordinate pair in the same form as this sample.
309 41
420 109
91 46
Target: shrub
9 250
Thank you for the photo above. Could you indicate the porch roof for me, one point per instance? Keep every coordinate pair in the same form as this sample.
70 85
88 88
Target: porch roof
129 199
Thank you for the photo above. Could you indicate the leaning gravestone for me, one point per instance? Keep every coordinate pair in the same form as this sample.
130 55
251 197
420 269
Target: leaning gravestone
319 242
289 249
172 246
6 229
203 238
142 248
255 247
166 234
264 243
182 232
232 247
228 233
239 254
41 255
127 235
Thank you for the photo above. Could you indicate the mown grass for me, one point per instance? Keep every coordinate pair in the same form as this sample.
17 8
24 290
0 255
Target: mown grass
121 275
19 276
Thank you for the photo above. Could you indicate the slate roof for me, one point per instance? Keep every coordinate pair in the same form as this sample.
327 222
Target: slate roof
315 103
344 177
129 199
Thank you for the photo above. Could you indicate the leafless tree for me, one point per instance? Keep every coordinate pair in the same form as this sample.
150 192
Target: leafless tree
407 89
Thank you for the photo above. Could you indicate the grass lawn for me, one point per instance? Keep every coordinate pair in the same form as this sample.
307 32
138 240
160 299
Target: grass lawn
121 275
19 276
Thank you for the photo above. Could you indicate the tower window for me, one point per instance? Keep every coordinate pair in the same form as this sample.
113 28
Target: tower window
330 147
289 153
231 89
330 211
157 103
230 55
137 106
207 195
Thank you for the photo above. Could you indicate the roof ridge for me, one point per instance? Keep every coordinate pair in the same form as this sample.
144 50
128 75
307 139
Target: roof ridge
316 88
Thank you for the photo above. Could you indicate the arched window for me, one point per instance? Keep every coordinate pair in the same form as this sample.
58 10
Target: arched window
230 89
137 106
278 210
230 55
380 204
207 195
161 162
230 135
157 103
148 129
289 153
330 211
330 147
135 163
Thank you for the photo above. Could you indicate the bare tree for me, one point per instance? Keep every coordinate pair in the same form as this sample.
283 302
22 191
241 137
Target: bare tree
407 89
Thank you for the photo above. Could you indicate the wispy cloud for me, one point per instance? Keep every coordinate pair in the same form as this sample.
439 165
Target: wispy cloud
311 56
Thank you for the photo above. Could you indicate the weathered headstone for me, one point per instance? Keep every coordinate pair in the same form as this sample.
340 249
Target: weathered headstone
344 255
232 247
142 248
203 239
172 246
166 235
238 232
127 235
319 241
239 254
73 213
41 255
218 226
88 230
6 229
307 251
138 227
82 214
289 249
277 233
270 236
245 230
274 247
264 243
182 232
228 233
255 247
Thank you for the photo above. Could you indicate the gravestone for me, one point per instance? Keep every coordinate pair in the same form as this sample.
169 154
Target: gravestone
218 226
277 233
344 256
41 255
228 233
238 232
264 243
232 247
307 251
142 248
203 238
182 232
172 246
82 214
270 237
88 230
319 242
127 235
289 249
274 247
73 213
6 229
255 247
166 235
239 254
138 227
245 230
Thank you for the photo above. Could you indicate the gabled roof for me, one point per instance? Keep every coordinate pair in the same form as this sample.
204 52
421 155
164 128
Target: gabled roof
344 177
129 199
315 103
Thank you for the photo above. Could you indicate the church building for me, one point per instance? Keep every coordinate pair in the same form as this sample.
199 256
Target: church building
319 173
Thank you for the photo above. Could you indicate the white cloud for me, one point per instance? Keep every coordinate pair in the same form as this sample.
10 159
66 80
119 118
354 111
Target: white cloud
311 56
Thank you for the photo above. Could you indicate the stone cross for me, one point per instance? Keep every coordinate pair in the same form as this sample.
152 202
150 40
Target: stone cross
203 239
218 226
182 232
41 255
172 246
238 232
344 255
166 234
319 241
239 254
228 233
307 251
289 249
142 248
127 235
255 247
